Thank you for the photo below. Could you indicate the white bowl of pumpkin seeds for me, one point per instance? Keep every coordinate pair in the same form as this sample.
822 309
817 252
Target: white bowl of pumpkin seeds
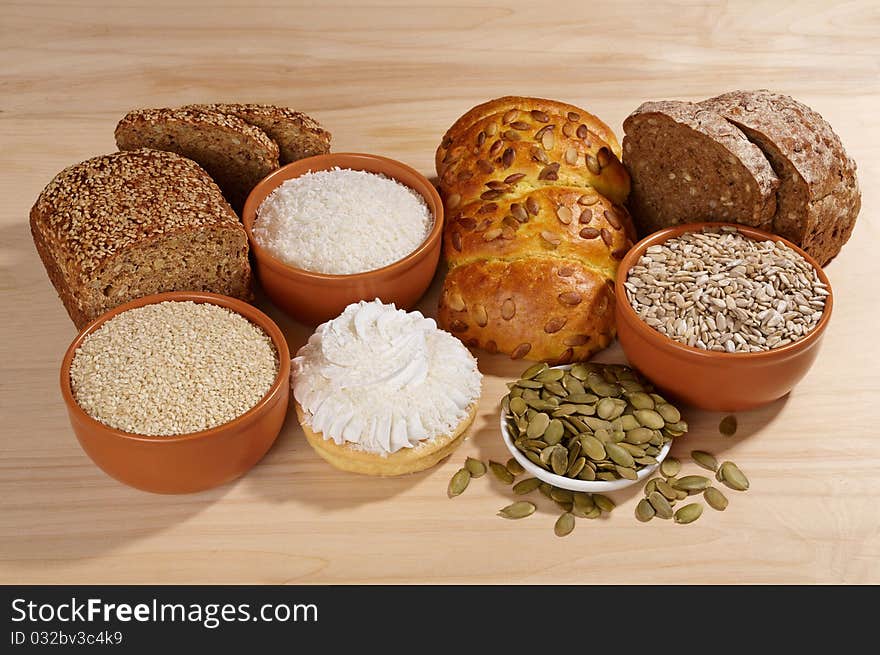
588 427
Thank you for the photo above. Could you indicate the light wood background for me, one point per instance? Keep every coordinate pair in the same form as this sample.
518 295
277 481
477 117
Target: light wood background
389 78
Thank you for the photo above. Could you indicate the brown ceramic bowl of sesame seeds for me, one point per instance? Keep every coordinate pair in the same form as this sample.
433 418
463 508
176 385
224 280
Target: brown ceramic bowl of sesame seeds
315 297
193 461
716 379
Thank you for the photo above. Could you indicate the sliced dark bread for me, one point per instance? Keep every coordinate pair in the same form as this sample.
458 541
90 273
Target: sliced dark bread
689 164
818 198
235 153
297 135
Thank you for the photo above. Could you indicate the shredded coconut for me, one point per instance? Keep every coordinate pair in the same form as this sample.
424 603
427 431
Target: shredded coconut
342 221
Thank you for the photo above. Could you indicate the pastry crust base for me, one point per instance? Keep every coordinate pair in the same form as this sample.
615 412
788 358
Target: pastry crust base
405 460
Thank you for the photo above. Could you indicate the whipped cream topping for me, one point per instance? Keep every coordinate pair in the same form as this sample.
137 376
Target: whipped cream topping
383 379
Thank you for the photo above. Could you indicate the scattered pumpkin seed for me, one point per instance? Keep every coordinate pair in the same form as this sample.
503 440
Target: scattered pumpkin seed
564 525
514 467
704 459
458 483
475 467
604 503
518 510
670 467
692 483
644 510
715 499
733 477
500 472
688 513
728 425
526 486
661 505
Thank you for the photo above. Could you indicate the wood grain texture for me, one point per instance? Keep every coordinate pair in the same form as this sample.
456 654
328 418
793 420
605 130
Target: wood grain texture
389 78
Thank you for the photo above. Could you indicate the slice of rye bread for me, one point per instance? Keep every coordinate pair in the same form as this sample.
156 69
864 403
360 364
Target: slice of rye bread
125 225
298 136
235 153
818 198
688 164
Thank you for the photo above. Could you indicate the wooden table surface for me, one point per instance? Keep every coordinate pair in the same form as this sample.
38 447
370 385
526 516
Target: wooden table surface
389 78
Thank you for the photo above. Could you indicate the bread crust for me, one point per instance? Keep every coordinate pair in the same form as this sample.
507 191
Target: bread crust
92 216
818 198
236 154
297 134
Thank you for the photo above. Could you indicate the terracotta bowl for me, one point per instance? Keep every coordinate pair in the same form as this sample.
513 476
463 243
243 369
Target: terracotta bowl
317 297
188 462
711 380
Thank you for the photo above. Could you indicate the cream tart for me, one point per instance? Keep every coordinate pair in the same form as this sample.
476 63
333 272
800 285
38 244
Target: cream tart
382 391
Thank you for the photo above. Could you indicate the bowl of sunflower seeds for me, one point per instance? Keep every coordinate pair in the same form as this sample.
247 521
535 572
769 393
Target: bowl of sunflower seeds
588 427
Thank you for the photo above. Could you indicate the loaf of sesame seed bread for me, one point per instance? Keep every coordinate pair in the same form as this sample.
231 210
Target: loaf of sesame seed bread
818 198
689 164
298 136
235 153
535 228
132 223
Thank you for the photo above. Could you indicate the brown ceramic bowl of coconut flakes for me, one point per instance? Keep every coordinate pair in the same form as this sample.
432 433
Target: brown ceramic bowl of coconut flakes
335 229
722 317
177 392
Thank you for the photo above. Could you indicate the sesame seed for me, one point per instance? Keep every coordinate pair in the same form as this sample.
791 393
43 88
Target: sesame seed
173 368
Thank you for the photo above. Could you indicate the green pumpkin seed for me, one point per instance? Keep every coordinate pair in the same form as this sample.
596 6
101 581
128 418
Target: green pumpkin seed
733 477
576 466
653 451
640 400
561 495
550 375
555 388
627 473
514 467
669 413
534 370
644 510
628 422
604 503
649 418
715 499
635 451
500 472
693 483
593 448
688 513
565 410
526 486
728 426
647 460
529 384
518 510
594 423
541 405
669 467
582 398
587 473
573 386
545 488
651 486
678 428
583 502
554 431
661 505
639 435
538 425
535 459
607 476
564 525
618 455
475 467
668 491
559 460
658 399
704 459
610 408
458 483
518 406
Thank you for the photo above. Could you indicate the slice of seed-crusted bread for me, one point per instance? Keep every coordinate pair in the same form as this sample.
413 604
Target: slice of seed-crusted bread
509 153
689 164
298 136
818 198
125 225
235 153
